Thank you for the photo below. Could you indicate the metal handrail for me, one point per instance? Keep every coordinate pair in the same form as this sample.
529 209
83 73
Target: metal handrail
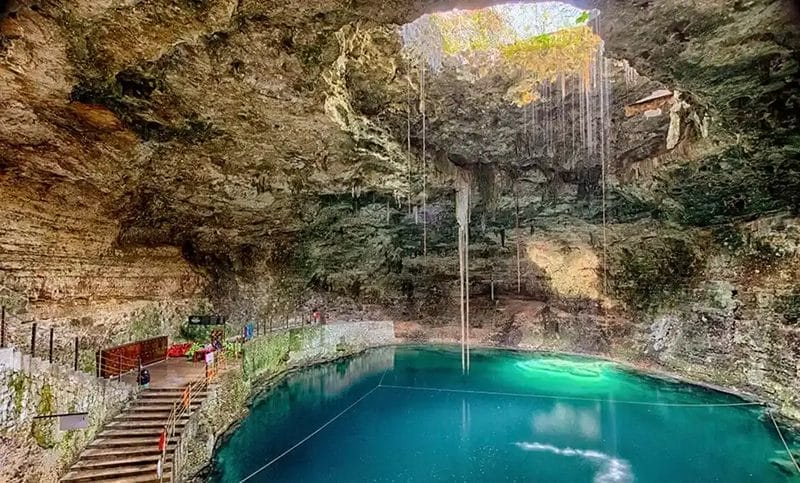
179 408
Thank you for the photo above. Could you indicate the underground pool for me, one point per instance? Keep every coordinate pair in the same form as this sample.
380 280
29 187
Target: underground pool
409 414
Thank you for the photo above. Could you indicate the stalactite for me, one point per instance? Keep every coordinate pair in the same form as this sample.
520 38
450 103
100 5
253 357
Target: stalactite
461 289
466 278
463 183
631 76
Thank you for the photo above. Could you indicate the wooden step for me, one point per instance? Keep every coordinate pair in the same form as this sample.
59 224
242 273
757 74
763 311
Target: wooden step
147 408
129 442
131 433
100 474
145 478
161 401
170 395
143 416
122 451
126 450
120 460
157 423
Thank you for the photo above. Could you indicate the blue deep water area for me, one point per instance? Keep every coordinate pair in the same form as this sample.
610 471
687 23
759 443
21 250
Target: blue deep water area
401 414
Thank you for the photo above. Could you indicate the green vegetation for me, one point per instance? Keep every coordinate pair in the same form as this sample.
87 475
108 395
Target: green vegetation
544 57
485 39
471 31
196 333
43 430
16 383
266 356
145 323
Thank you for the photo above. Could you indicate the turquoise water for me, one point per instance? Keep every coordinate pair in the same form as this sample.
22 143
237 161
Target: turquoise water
407 414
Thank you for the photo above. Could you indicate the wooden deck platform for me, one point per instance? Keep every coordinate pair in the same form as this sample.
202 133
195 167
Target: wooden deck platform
170 373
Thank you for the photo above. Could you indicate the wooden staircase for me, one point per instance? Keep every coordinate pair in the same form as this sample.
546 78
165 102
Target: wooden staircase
126 450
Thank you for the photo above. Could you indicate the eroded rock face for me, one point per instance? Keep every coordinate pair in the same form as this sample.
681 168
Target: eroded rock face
156 153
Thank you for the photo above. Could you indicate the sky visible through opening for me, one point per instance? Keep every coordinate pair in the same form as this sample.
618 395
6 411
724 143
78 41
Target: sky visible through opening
460 33
532 19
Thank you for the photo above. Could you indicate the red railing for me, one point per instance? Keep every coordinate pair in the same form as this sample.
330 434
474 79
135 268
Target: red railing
182 407
127 357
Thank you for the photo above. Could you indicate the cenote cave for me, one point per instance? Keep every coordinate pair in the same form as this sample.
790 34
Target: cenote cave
430 240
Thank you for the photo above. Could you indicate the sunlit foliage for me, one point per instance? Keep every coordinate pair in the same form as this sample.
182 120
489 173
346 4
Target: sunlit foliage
546 57
472 31
535 42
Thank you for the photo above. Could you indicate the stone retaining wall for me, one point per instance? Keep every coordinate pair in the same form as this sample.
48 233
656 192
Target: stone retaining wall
31 386
266 358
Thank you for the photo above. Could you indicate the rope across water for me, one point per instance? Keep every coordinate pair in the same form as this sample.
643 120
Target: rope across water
513 394
785 445
296 445
567 398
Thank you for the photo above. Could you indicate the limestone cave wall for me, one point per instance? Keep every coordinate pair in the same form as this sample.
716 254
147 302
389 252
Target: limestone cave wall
164 156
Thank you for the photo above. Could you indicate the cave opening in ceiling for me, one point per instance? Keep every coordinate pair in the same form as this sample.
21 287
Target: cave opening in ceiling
548 62
535 77
537 42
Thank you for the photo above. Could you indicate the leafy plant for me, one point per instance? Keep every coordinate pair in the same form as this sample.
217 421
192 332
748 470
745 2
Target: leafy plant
582 18
196 333
484 38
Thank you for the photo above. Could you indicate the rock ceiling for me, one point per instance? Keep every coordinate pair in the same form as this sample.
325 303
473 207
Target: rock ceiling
216 124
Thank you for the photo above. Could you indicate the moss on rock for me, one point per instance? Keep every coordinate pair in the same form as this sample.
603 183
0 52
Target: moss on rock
16 384
43 430
647 271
